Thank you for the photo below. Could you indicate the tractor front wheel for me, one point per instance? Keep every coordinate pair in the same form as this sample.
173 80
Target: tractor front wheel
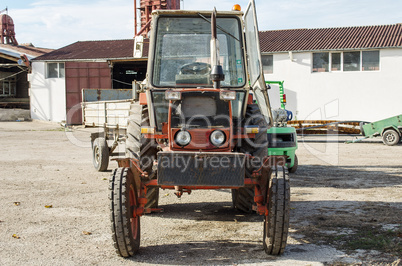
123 204
276 223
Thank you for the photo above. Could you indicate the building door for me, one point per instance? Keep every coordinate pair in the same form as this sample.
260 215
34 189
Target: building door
83 75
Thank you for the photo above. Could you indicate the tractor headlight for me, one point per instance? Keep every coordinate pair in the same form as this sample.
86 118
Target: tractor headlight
217 138
183 138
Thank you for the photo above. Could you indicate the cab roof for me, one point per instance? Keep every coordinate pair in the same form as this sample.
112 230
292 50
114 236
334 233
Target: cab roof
196 12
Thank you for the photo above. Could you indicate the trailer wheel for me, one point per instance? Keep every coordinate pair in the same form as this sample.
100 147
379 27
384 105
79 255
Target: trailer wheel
124 200
142 149
390 137
276 223
100 154
295 165
243 198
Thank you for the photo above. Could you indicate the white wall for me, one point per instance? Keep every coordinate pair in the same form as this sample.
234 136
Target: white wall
48 96
354 95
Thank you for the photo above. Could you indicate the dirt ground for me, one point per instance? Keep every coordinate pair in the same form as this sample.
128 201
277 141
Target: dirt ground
345 208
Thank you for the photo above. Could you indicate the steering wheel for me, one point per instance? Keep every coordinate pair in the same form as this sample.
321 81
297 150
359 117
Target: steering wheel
195 68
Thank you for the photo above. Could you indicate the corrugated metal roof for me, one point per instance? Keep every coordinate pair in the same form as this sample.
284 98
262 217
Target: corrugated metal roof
16 50
363 37
95 50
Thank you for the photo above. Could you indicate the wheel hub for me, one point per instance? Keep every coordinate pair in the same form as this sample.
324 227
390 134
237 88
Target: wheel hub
97 154
390 137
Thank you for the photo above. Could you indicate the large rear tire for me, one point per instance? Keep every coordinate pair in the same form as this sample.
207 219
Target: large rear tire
142 149
276 223
152 197
123 202
243 198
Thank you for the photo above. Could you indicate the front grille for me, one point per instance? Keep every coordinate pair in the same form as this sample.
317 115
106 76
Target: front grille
201 169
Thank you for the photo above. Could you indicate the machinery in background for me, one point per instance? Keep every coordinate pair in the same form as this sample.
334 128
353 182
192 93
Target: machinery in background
390 129
282 139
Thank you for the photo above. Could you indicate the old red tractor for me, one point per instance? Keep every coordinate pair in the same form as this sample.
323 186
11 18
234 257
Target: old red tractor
201 123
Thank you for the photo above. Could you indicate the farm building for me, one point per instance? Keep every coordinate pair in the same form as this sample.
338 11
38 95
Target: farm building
344 73
58 77
14 66
349 73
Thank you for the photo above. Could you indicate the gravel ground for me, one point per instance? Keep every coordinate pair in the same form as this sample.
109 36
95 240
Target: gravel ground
345 207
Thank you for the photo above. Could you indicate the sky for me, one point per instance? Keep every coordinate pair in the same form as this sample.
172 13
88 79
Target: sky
57 23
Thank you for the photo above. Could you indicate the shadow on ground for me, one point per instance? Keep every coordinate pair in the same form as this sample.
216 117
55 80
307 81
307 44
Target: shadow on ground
343 177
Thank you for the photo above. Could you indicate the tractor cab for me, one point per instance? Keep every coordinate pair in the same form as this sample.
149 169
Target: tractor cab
180 83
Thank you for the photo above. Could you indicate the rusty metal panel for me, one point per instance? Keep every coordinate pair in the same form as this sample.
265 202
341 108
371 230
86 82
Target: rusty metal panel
77 78
105 81
93 81
92 95
201 169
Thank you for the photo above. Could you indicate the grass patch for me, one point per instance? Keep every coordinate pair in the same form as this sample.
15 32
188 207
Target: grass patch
353 234
375 238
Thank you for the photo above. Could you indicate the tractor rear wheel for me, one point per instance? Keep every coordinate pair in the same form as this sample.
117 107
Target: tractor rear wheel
390 137
100 154
243 198
152 197
276 223
295 165
142 149
123 203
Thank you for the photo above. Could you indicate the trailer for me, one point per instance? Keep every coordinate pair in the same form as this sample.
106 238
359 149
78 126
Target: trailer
389 129
111 116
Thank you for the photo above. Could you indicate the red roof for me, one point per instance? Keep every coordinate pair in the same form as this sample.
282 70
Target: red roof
84 50
383 36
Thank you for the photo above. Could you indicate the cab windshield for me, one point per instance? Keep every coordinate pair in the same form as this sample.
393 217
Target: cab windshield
183 54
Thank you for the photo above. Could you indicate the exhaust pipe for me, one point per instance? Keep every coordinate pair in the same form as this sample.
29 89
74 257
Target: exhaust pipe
217 71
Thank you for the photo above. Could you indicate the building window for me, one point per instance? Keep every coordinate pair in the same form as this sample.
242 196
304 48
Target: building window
55 70
8 86
351 61
370 60
335 61
267 64
320 62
